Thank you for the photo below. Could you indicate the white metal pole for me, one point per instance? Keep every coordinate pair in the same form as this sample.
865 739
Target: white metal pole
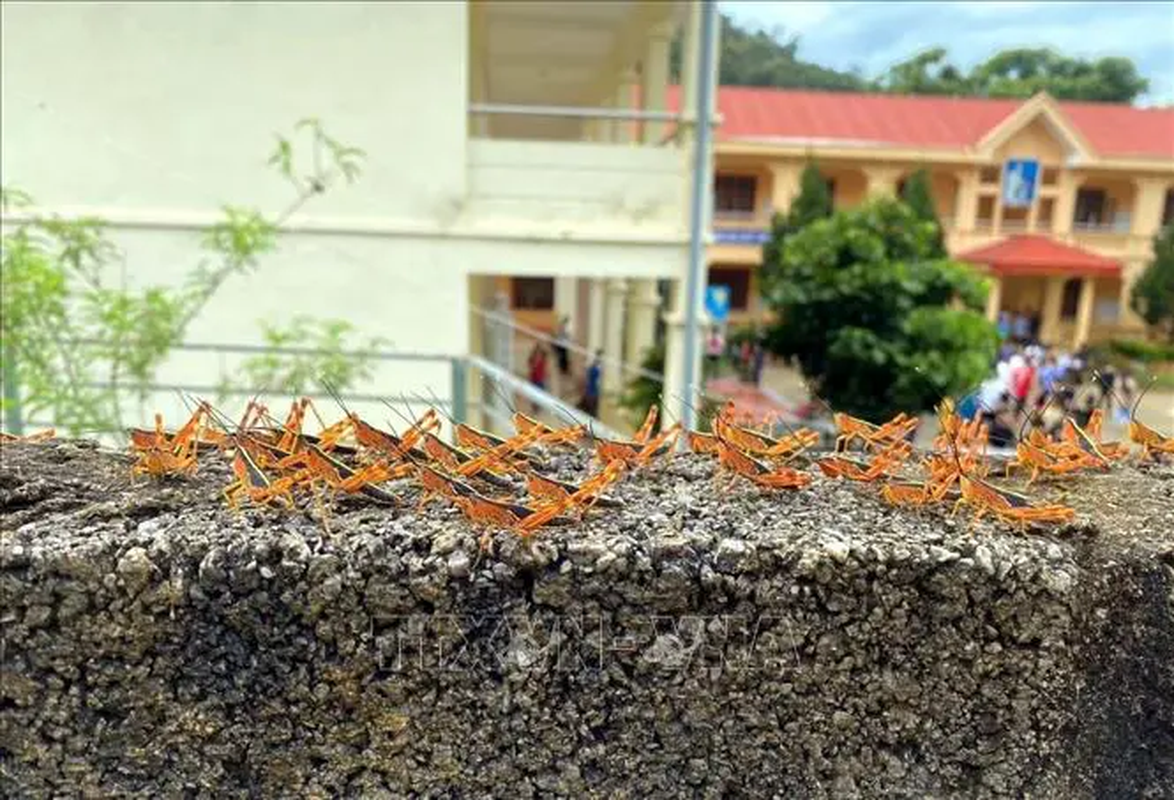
700 200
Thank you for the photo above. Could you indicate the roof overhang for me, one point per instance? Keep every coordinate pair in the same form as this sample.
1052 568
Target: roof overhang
1033 255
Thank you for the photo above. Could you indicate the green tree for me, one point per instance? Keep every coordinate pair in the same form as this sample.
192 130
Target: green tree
644 391
928 72
321 356
768 58
916 194
757 57
77 343
1152 295
814 202
1018 73
876 322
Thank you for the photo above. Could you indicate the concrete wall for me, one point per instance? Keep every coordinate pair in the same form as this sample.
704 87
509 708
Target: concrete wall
690 644
1034 140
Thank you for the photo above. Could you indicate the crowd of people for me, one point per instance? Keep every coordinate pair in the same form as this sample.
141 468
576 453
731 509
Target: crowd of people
1043 386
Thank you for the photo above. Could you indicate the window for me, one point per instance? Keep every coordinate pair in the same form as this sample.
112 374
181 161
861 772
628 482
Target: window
533 294
1014 220
1090 207
738 279
986 212
1168 210
989 175
1071 301
1050 177
733 194
1043 221
831 184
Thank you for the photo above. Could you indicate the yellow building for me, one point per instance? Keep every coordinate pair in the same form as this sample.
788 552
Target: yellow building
1069 254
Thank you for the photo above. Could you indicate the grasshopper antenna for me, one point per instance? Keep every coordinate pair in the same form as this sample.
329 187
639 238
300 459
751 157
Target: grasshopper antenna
334 395
500 392
437 403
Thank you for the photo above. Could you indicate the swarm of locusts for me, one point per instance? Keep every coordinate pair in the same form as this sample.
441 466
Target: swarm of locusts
276 463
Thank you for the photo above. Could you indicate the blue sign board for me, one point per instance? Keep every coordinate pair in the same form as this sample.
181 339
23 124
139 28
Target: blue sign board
717 303
1020 179
740 236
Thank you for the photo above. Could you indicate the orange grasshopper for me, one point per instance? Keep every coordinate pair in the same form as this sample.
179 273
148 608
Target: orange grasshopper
470 442
705 443
526 520
1087 439
253 484
759 444
550 488
319 468
570 435
883 464
165 455
919 493
1042 454
738 463
1008 506
853 428
1153 444
635 454
32 438
455 460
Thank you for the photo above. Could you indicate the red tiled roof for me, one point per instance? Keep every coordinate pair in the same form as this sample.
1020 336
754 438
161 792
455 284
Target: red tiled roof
763 114
1027 254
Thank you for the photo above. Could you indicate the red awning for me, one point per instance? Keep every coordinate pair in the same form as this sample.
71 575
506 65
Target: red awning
1027 254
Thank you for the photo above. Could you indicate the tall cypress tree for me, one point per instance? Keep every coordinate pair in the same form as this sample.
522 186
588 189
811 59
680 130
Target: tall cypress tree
916 194
813 202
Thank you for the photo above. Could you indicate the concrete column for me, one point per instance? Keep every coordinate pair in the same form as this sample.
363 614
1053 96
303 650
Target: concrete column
1050 313
690 54
994 299
1149 200
613 337
784 186
479 295
566 300
1067 185
1088 293
1130 271
598 319
654 80
966 201
623 130
882 181
643 303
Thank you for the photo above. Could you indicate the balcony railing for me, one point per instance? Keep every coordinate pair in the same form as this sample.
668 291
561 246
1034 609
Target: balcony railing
545 117
726 215
1101 226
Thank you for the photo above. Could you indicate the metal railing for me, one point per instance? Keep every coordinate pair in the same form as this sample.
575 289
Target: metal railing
578 112
456 404
505 322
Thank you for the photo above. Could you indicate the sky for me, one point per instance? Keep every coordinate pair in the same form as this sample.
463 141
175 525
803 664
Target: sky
873 36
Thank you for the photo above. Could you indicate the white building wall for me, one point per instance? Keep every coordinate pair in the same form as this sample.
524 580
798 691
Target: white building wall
174 105
153 116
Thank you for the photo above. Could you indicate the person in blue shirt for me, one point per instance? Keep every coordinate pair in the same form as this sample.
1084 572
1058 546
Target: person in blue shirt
1048 375
1004 325
590 402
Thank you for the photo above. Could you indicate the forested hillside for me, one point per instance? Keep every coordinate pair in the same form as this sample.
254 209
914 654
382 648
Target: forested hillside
761 58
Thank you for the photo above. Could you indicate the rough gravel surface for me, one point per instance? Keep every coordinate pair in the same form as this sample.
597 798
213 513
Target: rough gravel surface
693 643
